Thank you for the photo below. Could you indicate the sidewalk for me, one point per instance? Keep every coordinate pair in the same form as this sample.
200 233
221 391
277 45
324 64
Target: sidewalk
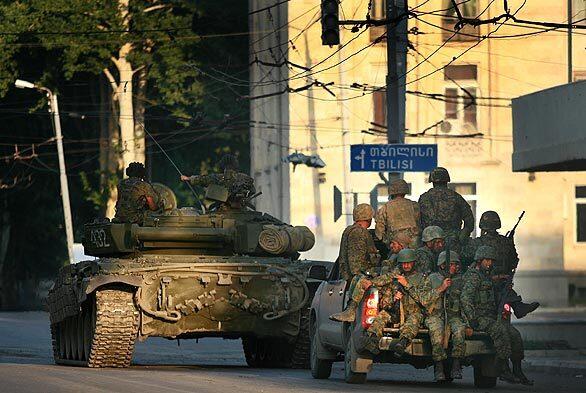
554 324
559 362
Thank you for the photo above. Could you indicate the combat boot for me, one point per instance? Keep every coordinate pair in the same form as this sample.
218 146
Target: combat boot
521 309
438 371
505 373
400 347
456 369
518 372
348 315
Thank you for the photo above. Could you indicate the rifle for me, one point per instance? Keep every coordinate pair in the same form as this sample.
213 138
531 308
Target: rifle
446 273
511 234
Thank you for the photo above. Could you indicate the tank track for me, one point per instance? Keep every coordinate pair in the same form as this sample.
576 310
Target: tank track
102 334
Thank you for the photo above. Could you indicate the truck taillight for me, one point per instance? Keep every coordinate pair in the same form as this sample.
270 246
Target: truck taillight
370 309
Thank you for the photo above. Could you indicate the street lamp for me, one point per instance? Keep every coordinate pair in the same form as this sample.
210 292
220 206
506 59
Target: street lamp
54 109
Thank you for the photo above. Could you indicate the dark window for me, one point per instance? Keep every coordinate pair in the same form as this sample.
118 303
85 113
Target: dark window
581 222
470 107
451 103
460 72
468 9
379 9
380 108
580 191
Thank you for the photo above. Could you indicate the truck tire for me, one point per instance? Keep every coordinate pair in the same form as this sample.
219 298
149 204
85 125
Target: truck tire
349 375
480 380
320 368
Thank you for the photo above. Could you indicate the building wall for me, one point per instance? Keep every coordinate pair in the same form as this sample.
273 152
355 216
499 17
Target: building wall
506 68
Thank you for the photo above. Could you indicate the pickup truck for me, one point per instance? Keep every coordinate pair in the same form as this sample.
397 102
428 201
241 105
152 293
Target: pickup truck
333 341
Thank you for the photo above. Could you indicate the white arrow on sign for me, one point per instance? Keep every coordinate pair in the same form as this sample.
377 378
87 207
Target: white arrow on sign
360 157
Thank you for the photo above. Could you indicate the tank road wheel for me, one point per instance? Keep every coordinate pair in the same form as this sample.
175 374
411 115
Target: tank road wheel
101 335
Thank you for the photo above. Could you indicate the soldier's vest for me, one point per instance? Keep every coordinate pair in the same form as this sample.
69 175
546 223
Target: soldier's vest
343 256
504 249
401 214
453 296
130 206
444 209
484 298
415 283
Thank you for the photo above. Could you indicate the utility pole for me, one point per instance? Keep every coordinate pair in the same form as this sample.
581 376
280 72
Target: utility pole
396 78
570 21
54 109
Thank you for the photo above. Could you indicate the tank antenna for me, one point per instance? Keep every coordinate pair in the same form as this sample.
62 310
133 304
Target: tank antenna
174 166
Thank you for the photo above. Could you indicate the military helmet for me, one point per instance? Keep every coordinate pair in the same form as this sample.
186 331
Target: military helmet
432 232
406 255
485 252
136 169
490 220
362 212
402 238
439 175
398 187
228 161
454 257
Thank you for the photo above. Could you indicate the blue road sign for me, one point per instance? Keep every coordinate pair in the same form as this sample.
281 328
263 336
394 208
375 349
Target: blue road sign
393 158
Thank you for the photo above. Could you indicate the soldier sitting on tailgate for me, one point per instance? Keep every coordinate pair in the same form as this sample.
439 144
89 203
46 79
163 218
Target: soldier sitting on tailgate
399 215
445 208
399 242
433 239
445 313
505 262
479 311
135 196
358 255
412 292
239 185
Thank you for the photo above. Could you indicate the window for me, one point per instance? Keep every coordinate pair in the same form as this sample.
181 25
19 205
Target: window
378 11
580 214
468 9
460 91
468 192
579 12
380 108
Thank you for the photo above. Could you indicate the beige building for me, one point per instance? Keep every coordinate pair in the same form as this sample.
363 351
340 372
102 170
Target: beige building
474 141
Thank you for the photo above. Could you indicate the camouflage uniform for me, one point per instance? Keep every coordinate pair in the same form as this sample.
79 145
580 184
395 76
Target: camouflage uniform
131 205
238 184
506 259
436 316
426 259
357 252
479 312
398 215
447 209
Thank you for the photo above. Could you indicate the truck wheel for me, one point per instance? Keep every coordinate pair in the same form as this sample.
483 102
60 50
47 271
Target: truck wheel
320 368
349 375
481 381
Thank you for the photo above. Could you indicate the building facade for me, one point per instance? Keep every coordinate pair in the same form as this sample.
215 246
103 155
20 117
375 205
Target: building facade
459 87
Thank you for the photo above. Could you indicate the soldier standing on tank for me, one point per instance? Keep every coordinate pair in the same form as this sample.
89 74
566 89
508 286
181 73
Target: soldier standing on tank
358 255
413 291
239 185
399 215
445 208
479 312
135 196
447 307
505 262
433 239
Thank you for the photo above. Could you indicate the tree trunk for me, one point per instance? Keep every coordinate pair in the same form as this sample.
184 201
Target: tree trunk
125 106
139 110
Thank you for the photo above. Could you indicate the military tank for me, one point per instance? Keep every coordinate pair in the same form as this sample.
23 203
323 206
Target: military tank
231 272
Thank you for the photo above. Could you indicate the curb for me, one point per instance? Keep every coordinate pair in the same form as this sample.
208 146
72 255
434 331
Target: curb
577 371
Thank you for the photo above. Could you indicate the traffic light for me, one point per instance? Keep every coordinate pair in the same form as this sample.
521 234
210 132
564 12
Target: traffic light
330 30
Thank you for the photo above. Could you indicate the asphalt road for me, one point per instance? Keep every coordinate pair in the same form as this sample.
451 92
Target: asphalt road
212 365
